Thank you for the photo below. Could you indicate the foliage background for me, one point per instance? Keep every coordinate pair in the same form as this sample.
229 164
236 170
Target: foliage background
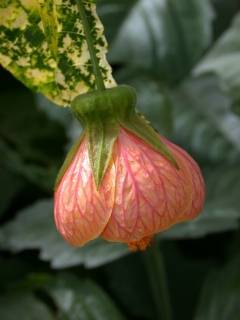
183 57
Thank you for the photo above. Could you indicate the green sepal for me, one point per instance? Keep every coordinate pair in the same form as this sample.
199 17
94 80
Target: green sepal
115 103
138 125
101 138
100 113
69 159
103 113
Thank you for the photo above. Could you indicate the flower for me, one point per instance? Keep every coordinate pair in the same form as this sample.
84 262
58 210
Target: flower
141 193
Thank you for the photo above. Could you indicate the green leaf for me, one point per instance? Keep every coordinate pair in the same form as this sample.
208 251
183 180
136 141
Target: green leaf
186 271
34 173
152 99
12 185
224 60
63 116
28 151
113 13
130 270
60 115
204 121
220 298
43 44
222 209
158 33
22 305
82 299
33 228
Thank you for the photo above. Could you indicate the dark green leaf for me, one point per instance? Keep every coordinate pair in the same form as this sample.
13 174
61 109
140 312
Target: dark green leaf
224 60
131 270
82 299
34 228
31 145
62 116
12 185
166 37
204 120
22 305
113 13
220 299
152 98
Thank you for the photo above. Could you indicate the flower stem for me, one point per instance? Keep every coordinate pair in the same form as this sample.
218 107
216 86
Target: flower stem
90 42
158 281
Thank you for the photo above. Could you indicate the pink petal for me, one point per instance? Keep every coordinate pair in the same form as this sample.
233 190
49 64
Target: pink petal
151 194
81 212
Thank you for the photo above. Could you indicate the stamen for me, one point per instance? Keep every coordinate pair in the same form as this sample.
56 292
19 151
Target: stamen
140 245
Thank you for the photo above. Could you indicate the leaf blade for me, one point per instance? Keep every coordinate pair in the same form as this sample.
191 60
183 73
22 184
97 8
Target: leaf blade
47 50
223 60
220 294
34 228
160 31
87 300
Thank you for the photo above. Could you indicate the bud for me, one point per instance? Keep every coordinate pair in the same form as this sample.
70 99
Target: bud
142 184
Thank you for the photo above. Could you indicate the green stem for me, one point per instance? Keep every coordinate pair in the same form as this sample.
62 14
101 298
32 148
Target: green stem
96 68
158 281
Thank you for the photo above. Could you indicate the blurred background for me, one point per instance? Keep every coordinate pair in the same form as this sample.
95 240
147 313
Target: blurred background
183 57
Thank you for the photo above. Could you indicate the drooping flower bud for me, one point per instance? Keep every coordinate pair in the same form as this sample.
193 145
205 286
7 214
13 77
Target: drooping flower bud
122 181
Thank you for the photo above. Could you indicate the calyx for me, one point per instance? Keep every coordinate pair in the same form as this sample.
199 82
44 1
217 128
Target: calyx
102 114
116 104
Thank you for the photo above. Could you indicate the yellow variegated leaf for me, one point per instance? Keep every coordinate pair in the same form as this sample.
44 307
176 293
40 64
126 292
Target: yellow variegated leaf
43 44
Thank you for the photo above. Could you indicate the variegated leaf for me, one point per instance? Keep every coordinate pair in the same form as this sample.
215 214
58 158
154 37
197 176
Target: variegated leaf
43 44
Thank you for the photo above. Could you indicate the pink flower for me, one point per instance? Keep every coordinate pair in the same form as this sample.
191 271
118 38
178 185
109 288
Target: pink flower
142 193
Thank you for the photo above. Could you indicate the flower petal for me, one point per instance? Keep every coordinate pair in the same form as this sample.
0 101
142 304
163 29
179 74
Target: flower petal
151 194
81 211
